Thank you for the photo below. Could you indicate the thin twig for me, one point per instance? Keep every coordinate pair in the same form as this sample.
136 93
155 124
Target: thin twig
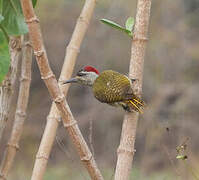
126 148
67 153
171 160
91 136
191 170
7 86
20 114
56 94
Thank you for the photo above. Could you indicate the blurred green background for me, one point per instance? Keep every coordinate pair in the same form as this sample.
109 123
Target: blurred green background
170 88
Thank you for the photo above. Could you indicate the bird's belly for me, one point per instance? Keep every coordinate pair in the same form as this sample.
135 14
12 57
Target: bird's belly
107 96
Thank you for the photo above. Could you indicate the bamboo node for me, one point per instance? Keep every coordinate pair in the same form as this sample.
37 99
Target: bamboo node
15 44
73 47
24 78
4 114
140 39
82 19
61 81
50 75
28 44
39 53
86 158
59 99
42 156
57 118
33 19
3 176
16 146
127 151
21 113
72 123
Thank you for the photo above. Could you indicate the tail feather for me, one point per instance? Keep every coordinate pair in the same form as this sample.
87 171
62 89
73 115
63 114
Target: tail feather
135 107
135 104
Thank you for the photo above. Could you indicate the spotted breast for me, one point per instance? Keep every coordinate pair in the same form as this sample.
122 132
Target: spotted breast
111 86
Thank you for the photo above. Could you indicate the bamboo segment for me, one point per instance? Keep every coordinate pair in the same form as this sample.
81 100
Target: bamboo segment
126 148
7 86
20 114
56 94
54 117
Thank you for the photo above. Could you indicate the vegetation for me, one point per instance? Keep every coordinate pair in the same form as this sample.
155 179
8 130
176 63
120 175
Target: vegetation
166 135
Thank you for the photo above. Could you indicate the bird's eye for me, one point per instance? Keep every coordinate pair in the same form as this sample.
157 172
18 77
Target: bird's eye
80 73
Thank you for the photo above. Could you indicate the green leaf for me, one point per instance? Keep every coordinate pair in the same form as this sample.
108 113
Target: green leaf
129 23
182 157
13 22
34 2
116 26
4 56
5 33
3 29
113 24
1 18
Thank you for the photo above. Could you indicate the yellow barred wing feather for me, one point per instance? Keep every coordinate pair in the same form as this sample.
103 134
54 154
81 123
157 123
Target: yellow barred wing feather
111 87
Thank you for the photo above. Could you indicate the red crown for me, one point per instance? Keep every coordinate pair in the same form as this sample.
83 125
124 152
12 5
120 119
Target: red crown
91 69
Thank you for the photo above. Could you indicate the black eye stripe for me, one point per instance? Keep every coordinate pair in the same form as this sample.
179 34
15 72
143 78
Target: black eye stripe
80 74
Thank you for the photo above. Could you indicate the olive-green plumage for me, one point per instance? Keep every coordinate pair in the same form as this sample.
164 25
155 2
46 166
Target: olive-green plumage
110 87
114 88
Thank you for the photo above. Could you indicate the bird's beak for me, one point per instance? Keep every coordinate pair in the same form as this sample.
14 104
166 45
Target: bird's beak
72 80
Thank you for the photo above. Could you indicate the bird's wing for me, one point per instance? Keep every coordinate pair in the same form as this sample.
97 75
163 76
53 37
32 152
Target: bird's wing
111 87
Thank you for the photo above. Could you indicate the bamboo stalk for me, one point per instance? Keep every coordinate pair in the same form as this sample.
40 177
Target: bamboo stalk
20 114
7 86
57 96
69 62
126 148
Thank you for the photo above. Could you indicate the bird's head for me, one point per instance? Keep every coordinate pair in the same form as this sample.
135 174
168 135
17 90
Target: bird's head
85 76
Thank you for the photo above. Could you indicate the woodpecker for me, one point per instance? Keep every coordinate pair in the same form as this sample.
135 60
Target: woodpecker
110 87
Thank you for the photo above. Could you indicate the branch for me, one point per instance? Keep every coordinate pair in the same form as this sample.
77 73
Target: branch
47 75
71 53
20 114
7 87
126 148
53 118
